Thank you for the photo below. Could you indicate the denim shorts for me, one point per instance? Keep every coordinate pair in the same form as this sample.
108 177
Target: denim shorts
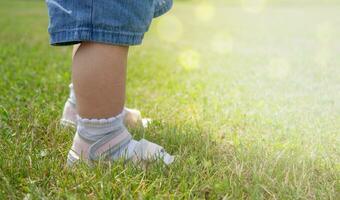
117 22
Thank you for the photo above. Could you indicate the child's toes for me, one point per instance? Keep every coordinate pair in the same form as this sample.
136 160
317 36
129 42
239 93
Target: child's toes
149 151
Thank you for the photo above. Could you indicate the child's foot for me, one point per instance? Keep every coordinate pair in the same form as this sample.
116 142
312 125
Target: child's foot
132 117
108 139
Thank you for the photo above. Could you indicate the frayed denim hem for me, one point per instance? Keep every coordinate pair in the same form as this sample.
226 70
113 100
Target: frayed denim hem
70 37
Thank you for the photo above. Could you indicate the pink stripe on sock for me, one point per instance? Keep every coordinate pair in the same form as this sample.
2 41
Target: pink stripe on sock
113 142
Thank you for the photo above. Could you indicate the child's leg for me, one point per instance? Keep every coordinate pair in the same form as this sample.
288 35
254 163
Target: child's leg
132 117
99 72
98 76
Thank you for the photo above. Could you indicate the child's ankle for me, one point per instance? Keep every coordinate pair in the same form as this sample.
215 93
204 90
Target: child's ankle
99 137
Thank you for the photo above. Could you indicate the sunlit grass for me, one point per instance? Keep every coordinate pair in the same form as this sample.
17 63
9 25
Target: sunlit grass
278 68
189 59
248 101
222 43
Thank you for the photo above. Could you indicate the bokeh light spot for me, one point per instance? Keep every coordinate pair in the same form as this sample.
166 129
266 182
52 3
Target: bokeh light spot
222 43
189 59
169 28
205 11
254 6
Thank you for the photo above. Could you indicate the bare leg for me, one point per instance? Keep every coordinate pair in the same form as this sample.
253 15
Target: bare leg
132 117
98 74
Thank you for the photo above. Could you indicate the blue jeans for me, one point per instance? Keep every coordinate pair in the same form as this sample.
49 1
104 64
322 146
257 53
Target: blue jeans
117 22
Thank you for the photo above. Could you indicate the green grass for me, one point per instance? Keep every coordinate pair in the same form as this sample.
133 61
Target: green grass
251 108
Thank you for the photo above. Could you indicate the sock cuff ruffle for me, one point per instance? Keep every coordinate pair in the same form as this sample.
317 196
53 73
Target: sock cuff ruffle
107 123
95 129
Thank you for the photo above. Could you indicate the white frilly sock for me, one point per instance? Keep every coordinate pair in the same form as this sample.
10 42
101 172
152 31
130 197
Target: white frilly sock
109 139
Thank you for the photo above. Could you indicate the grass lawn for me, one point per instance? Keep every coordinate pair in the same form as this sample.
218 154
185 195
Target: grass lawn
248 98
